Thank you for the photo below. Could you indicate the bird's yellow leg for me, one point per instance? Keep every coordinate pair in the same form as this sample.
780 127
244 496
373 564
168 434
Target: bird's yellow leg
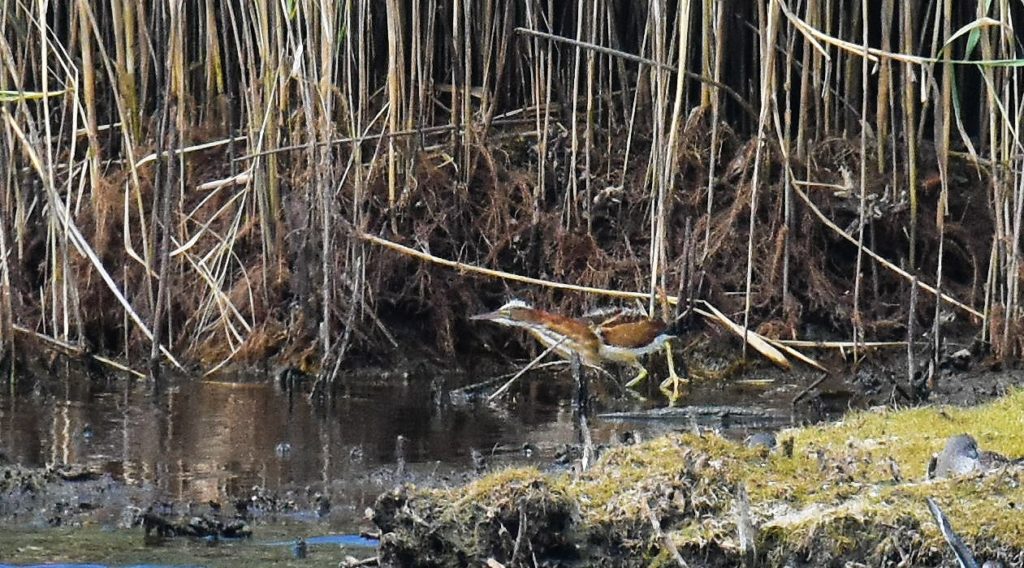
673 378
640 376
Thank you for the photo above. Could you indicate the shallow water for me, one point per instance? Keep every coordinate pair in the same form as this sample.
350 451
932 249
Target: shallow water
211 439
216 440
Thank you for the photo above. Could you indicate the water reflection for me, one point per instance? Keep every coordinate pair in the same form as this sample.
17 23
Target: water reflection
203 440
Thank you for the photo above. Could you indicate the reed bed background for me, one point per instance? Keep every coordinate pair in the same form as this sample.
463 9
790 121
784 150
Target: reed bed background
187 182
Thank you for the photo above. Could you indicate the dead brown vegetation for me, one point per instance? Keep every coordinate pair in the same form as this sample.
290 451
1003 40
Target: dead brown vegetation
454 128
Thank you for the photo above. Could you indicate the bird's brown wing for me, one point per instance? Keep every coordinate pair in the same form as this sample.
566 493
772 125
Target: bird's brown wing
578 335
573 329
607 317
632 334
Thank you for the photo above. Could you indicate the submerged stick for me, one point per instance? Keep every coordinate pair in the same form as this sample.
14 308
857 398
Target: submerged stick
807 390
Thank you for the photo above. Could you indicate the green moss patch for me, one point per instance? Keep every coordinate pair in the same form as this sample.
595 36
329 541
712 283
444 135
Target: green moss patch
850 491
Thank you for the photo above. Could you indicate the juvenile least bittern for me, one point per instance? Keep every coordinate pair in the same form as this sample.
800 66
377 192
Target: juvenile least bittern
616 335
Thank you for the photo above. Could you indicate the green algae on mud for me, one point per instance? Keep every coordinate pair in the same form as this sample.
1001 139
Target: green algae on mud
118 547
850 491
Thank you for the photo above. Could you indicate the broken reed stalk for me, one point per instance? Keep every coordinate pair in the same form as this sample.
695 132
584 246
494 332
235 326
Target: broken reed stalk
75 351
748 336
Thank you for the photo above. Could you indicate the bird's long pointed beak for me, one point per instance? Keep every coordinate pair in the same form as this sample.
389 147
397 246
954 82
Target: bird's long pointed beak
486 316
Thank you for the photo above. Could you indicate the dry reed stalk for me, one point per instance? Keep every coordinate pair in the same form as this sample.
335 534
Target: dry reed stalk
808 103
6 310
783 129
78 240
942 139
572 197
882 105
396 65
909 120
716 101
858 273
768 35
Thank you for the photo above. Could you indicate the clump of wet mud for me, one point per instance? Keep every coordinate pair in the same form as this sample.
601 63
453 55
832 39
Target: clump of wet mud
855 491
59 495
75 496
207 524
515 517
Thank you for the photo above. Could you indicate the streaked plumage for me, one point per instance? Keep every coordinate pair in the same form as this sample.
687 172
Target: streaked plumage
609 334
572 336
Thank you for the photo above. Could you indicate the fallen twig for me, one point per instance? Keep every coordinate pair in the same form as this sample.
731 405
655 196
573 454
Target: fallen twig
72 350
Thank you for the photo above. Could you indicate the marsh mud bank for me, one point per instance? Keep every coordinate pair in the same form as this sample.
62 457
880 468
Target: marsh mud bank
852 491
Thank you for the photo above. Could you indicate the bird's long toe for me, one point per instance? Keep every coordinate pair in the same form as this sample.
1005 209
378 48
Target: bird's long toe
639 378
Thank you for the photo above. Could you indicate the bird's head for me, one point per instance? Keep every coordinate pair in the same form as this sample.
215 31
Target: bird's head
514 312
